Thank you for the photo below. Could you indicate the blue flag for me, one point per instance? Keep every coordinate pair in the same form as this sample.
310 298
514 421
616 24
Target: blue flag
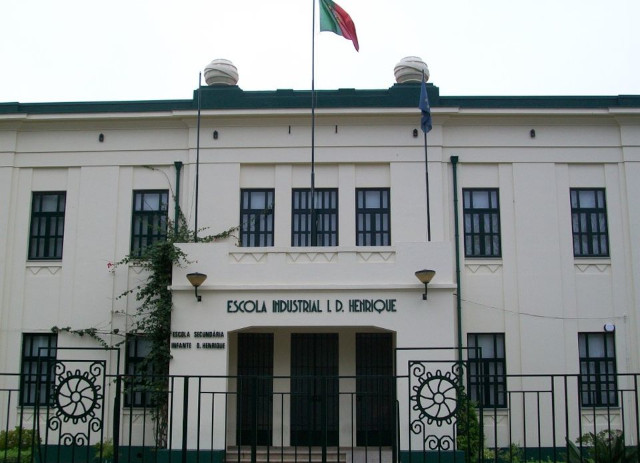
425 122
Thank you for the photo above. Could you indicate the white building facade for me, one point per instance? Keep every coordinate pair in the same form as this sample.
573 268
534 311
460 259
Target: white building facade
325 340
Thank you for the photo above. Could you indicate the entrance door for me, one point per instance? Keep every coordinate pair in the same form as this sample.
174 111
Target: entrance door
255 389
314 389
374 389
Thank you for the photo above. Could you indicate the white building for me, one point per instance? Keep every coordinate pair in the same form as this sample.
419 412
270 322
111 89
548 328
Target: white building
531 205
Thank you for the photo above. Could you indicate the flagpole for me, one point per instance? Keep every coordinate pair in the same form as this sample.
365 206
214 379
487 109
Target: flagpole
313 240
195 228
426 176
425 130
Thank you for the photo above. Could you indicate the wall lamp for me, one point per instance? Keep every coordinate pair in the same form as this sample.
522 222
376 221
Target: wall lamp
425 276
196 279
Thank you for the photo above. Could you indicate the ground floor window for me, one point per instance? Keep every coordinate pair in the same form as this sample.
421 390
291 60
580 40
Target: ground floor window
138 370
487 381
598 386
38 368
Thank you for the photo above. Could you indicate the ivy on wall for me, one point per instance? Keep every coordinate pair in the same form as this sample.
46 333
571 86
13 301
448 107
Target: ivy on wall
153 314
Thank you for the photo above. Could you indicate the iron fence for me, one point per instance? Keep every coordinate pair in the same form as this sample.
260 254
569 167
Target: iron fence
423 414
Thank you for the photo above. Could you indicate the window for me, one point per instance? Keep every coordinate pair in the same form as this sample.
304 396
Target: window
598 386
149 219
481 222
138 347
256 217
326 215
47 225
487 369
373 217
38 368
589 222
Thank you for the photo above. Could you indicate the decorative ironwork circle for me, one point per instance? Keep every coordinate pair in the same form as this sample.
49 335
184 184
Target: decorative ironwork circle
436 398
77 396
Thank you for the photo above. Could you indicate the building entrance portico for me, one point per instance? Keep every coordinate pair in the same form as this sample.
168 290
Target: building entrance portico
297 387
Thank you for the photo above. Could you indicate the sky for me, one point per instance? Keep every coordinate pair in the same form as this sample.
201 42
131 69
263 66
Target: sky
89 50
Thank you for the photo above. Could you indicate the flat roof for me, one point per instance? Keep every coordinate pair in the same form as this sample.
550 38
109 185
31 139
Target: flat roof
397 96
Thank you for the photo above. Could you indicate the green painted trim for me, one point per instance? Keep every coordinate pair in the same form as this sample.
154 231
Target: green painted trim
432 456
397 96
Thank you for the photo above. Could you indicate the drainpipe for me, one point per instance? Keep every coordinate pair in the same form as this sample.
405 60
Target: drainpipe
454 163
176 218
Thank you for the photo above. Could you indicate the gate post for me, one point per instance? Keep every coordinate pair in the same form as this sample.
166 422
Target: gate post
116 421
185 418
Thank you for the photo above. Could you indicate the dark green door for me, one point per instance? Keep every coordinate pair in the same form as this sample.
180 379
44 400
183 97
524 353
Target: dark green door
314 389
255 389
374 389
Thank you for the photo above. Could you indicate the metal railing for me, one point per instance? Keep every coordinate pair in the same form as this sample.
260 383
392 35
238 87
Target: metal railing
423 415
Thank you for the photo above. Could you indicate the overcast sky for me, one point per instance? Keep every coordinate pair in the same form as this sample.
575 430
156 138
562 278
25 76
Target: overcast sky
89 50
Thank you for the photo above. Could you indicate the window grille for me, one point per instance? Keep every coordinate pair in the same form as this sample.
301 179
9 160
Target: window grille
487 369
589 222
598 385
373 217
256 217
481 222
149 219
38 368
326 217
47 225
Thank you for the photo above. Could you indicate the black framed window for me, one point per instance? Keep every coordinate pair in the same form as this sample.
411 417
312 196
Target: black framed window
149 219
47 225
598 384
256 217
589 222
136 394
326 217
487 380
373 217
38 368
481 211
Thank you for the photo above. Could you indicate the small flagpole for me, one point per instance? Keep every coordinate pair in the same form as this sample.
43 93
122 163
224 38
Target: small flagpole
313 125
426 177
195 228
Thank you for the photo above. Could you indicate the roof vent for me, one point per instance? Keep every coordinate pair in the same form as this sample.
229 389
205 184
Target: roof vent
410 69
221 72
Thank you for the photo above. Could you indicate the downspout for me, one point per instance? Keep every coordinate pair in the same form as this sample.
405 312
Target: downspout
176 219
454 163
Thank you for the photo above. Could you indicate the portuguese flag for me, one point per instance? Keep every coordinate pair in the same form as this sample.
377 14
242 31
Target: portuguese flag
334 19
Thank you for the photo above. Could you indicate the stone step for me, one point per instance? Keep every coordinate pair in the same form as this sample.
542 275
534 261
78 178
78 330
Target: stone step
285 455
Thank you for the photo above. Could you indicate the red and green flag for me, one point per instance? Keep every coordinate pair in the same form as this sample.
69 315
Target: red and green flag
334 19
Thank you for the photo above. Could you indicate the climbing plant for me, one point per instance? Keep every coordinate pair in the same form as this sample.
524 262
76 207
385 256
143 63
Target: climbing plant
153 313
153 317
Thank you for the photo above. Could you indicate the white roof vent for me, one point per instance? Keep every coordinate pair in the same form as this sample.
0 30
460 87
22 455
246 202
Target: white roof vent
221 72
410 69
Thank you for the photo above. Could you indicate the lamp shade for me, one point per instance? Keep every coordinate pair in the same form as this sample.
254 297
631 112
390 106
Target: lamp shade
196 278
425 276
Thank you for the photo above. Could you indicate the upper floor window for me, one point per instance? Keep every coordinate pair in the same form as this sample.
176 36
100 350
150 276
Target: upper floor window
598 385
487 369
481 222
47 225
323 231
373 217
138 348
256 217
38 368
149 219
589 222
